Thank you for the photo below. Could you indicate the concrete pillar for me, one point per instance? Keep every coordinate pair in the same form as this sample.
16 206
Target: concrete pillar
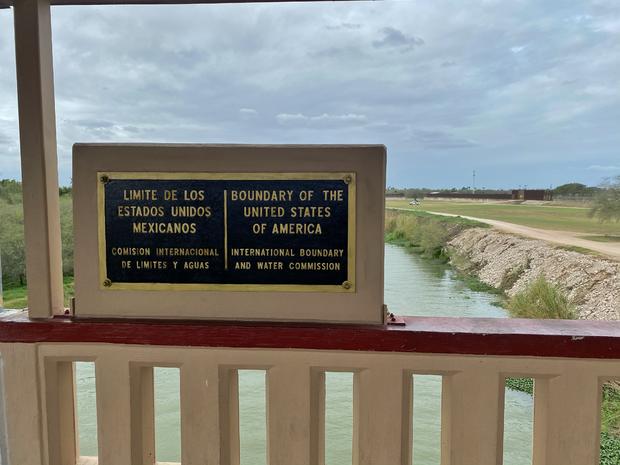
37 128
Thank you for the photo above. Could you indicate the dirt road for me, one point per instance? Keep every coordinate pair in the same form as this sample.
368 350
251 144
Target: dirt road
608 249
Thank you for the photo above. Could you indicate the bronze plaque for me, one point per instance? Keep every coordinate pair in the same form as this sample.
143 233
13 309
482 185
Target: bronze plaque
227 231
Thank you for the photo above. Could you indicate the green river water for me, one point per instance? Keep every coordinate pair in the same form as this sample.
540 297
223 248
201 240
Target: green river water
413 286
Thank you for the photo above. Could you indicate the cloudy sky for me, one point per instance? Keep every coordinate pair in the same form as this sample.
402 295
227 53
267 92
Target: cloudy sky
522 91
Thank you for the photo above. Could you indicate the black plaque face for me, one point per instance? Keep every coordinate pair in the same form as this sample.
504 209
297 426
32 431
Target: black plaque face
216 231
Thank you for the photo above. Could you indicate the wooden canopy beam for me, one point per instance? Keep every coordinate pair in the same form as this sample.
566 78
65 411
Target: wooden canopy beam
9 3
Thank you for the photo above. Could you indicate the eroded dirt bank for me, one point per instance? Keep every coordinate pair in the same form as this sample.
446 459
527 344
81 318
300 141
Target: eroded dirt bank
510 262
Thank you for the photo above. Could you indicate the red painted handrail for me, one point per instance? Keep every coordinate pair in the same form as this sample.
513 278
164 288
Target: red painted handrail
474 336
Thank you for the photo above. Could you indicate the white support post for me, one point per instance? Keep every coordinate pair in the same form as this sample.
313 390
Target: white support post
60 410
142 414
37 128
200 425
317 417
288 414
22 404
472 418
228 388
567 419
381 416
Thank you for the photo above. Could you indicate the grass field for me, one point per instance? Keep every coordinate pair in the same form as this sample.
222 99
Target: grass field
556 218
602 238
15 297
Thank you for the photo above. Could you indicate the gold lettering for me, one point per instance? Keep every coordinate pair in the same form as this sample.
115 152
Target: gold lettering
139 194
269 265
297 228
314 266
261 196
164 228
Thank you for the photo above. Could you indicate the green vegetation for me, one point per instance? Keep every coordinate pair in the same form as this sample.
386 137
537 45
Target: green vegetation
607 202
12 240
556 218
511 277
575 189
16 296
602 238
474 283
576 248
521 384
424 233
611 410
540 299
610 449
610 426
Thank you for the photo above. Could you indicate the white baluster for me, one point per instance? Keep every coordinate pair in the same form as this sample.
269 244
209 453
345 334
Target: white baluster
472 418
200 413
142 397
288 415
113 410
382 416
567 419
22 406
229 416
60 409
317 417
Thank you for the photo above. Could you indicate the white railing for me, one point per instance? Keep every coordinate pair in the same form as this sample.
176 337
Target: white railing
39 400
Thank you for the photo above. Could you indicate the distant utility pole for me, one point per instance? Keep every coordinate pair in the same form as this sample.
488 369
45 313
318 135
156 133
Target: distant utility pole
474 181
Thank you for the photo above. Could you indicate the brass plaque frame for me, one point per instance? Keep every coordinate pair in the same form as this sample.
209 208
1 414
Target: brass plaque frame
348 177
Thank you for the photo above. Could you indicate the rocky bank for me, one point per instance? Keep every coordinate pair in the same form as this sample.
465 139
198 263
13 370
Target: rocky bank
510 262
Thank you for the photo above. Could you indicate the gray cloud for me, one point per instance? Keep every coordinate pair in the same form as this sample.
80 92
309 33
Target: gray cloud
435 139
393 37
335 27
604 167
324 119
341 73
349 52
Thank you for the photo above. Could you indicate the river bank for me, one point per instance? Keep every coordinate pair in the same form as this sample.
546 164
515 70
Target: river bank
506 265
512 263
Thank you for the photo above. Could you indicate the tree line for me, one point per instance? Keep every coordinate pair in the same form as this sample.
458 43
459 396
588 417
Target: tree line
573 189
12 250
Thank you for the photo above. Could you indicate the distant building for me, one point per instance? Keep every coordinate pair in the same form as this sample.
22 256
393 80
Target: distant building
532 194
468 195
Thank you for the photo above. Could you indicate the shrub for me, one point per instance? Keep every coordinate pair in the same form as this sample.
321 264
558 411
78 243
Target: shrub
607 201
423 232
610 449
521 384
541 299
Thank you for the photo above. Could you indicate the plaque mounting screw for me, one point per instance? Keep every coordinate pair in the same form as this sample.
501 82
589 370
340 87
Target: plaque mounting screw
347 284
104 178
348 179
107 283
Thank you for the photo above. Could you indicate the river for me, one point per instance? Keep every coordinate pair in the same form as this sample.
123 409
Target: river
413 286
